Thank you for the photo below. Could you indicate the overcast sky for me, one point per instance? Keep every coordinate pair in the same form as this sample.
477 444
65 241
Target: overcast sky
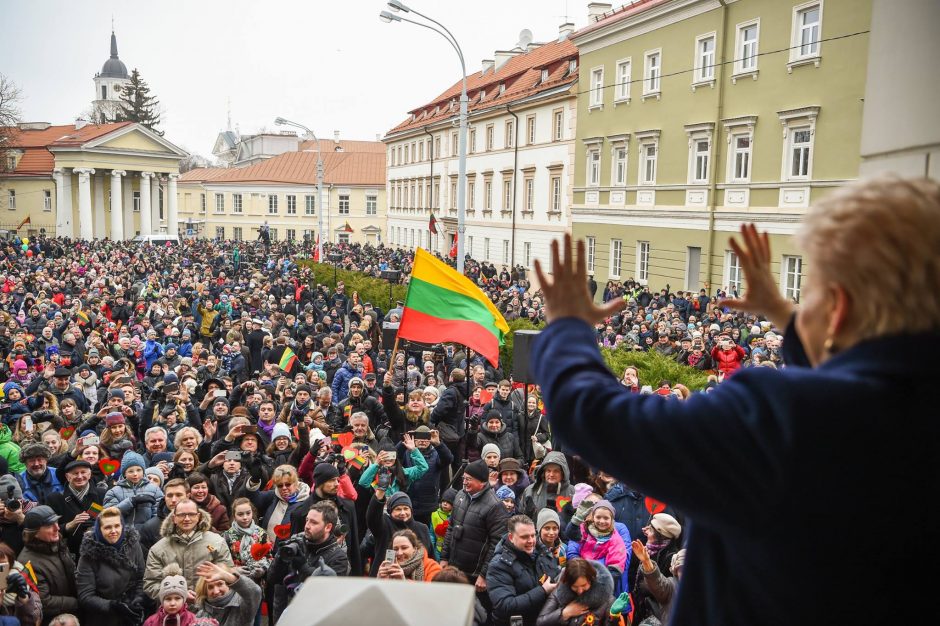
331 65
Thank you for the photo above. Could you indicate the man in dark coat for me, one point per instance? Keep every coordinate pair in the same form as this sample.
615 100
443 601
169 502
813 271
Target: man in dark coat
522 574
425 492
49 555
448 416
74 503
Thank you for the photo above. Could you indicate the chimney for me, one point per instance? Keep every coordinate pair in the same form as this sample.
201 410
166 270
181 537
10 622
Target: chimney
504 55
488 65
336 137
596 10
80 123
565 30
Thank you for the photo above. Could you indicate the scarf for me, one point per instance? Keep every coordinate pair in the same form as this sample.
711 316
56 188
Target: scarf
100 538
246 539
414 567
655 547
80 495
601 537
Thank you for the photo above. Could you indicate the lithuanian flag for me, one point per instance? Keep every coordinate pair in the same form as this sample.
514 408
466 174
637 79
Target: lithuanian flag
444 306
287 359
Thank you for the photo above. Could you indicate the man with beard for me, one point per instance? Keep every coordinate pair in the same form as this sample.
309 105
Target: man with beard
38 480
326 478
359 401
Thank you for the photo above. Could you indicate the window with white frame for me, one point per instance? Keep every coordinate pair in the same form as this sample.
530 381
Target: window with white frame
616 257
597 87
652 72
555 189
454 145
437 146
342 238
344 204
11 197
471 196
490 134
530 130
453 194
487 195
310 205
558 125
529 194
507 194
291 234
594 167
202 201
705 58
791 277
472 141
292 205
420 201
407 153
698 161
733 273
619 168
486 248
746 47
509 140
807 30
237 203
136 202
237 233
741 157
505 251
624 76
643 261
273 234
801 144
372 204
591 247
46 200
272 204
527 253
220 232
649 152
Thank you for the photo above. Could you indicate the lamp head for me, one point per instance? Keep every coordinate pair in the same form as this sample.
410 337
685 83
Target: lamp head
388 18
395 5
279 121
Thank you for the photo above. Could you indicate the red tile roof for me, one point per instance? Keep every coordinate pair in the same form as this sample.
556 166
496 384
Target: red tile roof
620 13
200 174
37 159
347 145
521 76
299 168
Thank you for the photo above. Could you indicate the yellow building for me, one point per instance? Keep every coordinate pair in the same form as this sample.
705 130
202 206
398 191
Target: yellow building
233 203
89 181
697 115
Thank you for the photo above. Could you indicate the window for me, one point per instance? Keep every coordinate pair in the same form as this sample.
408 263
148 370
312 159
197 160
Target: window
652 72
11 163
741 153
801 143
454 145
555 188
705 58
471 196
591 247
291 234
372 204
558 125
486 248
421 151
643 261
453 194
237 233
510 139
530 195
620 166
437 146
648 155
791 278
699 161
272 204
472 141
104 92
733 272
344 204
527 253
807 26
597 87
407 153
11 194
505 251
46 200
616 254
407 196
487 195
237 202
745 56
530 130
391 156
202 201
342 238
507 195
490 133
594 168
137 202
220 232
310 205
624 76
273 233
292 205
437 195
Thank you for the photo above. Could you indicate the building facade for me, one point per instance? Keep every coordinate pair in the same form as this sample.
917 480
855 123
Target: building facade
113 180
109 84
233 203
698 115
520 144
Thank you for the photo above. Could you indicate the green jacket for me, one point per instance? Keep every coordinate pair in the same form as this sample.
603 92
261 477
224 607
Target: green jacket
10 451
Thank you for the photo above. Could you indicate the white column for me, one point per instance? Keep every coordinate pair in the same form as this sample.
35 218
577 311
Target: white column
85 223
59 175
172 218
155 204
129 229
66 215
99 229
145 211
117 206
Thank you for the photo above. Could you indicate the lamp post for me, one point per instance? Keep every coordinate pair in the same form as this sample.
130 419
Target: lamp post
385 16
282 122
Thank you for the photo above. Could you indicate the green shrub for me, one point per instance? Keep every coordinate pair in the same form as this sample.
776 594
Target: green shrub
654 367
374 290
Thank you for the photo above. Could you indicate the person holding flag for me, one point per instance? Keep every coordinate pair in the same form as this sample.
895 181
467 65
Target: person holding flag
47 560
21 600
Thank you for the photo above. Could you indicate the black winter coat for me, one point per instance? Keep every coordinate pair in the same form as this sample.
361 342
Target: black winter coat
476 527
68 506
347 517
425 492
506 441
383 527
105 574
513 581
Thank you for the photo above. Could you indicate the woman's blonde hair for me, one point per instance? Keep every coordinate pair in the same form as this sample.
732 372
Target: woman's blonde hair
183 432
880 240
282 472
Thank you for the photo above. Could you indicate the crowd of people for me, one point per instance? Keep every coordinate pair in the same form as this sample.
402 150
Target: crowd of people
190 432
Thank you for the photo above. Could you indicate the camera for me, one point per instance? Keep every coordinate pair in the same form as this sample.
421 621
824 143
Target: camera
11 503
292 549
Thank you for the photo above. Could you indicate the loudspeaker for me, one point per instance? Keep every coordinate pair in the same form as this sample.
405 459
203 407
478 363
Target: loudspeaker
389 332
391 275
521 350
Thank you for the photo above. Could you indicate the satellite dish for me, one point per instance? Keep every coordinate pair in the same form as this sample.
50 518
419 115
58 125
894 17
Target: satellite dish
525 38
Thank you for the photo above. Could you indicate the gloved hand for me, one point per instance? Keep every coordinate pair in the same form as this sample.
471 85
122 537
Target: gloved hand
17 584
583 509
143 498
131 615
256 469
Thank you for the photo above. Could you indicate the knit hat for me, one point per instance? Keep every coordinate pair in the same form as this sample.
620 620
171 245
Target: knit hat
355 380
93 352
34 450
666 525
581 491
604 504
173 583
488 448
116 393
399 498
505 493
7 481
132 459
510 464
545 516
281 430
155 471
324 472
111 419
449 494
478 469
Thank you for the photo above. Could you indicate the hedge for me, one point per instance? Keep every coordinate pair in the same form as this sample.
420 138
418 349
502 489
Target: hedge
374 290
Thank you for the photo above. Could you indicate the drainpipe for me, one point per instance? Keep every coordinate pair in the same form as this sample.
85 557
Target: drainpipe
713 177
431 190
515 167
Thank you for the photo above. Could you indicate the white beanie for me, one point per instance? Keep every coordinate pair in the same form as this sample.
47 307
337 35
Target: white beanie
281 430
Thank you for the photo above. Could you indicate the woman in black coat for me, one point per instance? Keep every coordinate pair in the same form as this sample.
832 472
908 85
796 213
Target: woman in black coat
111 572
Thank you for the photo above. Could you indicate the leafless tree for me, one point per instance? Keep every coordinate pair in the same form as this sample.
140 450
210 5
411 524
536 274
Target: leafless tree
10 97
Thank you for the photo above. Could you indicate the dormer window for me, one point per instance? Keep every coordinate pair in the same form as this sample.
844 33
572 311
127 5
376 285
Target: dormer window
502 88
482 94
544 75
572 66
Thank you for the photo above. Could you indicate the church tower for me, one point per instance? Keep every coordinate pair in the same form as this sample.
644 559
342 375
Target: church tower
109 82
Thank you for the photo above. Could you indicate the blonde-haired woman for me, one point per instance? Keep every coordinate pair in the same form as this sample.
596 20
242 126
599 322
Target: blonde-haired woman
772 461
277 503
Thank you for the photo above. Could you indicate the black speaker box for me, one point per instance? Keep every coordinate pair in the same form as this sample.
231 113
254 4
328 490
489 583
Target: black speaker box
389 332
521 352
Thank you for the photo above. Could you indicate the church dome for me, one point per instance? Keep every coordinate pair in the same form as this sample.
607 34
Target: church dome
114 67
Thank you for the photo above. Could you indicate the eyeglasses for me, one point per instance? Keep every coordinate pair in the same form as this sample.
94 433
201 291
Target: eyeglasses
186 514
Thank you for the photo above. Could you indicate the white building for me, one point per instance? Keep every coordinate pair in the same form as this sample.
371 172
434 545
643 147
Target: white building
109 83
520 151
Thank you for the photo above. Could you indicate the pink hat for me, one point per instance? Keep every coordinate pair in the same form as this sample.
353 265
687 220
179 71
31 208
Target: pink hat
581 491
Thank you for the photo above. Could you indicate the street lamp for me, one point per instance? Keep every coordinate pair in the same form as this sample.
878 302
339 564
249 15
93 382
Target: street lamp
385 16
283 122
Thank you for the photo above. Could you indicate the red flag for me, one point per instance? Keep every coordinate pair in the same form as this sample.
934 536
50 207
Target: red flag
453 249
282 531
347 228
432 224
654 506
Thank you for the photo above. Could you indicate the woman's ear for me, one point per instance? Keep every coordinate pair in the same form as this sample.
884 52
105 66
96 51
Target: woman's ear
840 311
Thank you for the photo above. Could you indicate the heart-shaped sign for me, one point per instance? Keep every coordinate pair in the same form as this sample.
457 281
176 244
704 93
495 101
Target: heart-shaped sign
108 466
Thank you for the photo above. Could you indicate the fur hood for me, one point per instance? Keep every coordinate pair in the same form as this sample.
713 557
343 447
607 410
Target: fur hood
104 552
597 597
168 527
